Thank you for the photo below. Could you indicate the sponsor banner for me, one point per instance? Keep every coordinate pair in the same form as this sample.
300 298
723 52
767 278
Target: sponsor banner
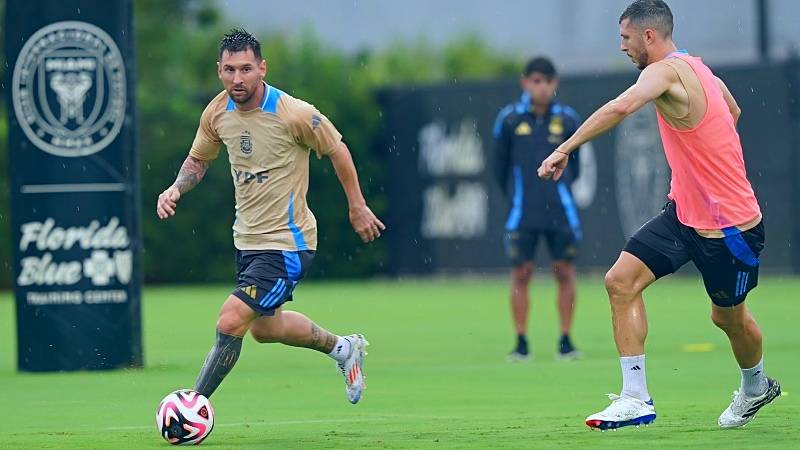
74 184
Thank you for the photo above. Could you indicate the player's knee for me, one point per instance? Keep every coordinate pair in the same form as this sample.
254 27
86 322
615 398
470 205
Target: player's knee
720 321
522 275
521 281
618 287
564 273
231 324
727 321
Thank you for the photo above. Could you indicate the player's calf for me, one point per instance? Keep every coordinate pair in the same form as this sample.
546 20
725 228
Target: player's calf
295 329
218 363
234 319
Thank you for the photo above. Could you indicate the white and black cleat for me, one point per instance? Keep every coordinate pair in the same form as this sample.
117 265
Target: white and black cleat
743 409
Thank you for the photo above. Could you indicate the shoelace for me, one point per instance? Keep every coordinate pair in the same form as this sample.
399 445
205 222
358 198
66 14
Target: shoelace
738 401
617 406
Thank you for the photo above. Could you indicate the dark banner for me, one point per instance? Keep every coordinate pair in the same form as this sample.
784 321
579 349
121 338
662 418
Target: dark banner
447 214
74 184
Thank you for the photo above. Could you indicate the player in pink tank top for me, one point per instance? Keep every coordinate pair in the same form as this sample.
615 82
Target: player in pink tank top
712 217
709 183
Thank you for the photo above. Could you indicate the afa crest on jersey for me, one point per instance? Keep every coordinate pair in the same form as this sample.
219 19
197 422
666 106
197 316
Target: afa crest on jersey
246 143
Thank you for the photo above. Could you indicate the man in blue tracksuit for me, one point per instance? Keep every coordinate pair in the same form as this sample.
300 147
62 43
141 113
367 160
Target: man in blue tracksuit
526 132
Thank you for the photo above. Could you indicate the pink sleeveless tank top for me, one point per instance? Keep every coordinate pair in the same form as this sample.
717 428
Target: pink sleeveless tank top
709 182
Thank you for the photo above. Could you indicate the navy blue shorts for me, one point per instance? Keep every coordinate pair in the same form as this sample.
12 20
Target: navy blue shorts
521 245
729 265
265 279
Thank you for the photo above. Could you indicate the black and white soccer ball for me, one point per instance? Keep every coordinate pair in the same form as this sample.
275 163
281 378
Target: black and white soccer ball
185 417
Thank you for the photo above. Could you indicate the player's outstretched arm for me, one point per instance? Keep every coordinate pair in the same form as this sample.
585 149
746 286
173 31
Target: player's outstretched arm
654 81
192 171
364 222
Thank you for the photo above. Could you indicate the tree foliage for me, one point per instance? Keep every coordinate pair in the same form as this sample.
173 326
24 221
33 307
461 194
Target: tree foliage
176 52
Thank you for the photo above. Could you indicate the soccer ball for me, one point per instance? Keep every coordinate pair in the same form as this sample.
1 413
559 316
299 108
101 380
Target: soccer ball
185 417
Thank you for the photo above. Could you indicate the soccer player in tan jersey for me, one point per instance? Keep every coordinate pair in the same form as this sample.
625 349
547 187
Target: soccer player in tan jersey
269 136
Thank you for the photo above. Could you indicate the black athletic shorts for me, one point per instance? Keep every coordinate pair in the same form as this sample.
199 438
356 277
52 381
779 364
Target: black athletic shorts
521 245
729 265
265 279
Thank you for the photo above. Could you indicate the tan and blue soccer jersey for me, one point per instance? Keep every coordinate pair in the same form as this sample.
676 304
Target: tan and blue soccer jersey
268 149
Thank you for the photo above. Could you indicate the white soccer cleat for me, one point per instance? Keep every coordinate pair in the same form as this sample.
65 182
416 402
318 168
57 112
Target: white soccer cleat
622 412
743 409
353 368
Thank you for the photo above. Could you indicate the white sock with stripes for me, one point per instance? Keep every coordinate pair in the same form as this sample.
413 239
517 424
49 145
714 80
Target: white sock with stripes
634 381
341 350
754 382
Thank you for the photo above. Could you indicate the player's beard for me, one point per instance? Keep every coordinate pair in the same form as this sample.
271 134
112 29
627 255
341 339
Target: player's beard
237 96
642 63
638 58
641 60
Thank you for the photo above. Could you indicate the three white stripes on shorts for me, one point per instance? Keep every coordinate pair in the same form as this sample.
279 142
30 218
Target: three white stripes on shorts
741 283
274 295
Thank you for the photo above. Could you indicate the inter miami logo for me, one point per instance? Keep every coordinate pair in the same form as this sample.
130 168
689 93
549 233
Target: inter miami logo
69 90
245 143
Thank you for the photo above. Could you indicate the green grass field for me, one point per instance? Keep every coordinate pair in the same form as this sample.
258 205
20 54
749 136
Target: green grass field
437 374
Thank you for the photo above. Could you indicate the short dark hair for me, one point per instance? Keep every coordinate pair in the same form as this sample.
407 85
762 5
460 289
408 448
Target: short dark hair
653 14
239 40
541 65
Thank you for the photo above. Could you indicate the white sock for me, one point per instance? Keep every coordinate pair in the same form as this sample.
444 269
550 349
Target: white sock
754 382
634 381
341 350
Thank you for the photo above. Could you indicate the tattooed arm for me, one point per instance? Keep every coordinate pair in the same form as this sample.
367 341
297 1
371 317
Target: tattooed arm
192 171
